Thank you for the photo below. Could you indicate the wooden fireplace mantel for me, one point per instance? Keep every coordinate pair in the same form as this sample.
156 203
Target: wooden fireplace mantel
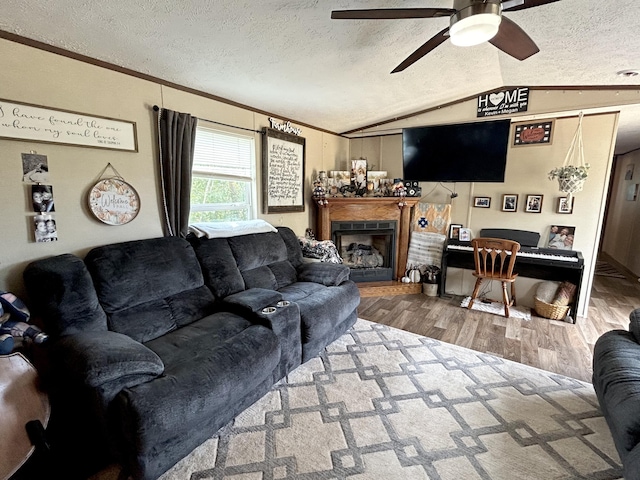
368 209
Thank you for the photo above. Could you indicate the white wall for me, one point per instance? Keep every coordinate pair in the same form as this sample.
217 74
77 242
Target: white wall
34 76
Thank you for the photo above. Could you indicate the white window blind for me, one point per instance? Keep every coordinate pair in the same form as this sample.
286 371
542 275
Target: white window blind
223 185
223 154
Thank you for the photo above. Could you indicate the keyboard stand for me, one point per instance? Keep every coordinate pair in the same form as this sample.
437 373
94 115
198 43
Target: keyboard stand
555 270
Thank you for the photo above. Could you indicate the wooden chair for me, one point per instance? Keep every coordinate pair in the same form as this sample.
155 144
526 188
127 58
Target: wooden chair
494 260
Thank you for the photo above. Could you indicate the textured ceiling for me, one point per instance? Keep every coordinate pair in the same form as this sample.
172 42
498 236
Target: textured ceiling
289 58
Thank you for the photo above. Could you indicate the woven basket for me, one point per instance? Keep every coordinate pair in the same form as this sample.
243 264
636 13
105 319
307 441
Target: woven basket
549 310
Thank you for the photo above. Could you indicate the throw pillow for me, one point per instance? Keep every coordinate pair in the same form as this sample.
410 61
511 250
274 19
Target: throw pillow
565 294
546 291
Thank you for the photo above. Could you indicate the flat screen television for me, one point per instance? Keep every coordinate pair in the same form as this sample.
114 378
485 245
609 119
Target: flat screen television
466 152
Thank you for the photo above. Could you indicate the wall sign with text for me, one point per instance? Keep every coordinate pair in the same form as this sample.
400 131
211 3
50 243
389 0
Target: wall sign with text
282 172
532 133
22 121
503 102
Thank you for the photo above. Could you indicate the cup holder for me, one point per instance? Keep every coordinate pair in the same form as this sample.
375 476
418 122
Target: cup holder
268 310
283 303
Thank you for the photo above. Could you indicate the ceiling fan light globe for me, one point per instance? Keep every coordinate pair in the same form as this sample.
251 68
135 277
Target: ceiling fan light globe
475 29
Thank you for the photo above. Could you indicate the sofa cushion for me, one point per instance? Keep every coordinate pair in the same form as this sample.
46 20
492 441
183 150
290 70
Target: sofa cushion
328 274
257 250
219 267
300 290
62 294
149 287
210 366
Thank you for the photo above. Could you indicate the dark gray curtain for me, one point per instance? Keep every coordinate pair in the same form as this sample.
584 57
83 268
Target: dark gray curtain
177 136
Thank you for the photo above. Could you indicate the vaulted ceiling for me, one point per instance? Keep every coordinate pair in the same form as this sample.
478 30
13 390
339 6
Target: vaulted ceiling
288 57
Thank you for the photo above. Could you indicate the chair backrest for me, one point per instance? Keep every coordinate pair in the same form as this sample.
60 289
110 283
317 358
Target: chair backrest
494 257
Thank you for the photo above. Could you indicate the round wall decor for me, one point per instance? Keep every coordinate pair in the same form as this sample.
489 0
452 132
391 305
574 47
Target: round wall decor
113 201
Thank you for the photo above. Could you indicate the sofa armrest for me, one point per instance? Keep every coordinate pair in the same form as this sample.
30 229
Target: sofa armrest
252 300
98 358
329 274
284 321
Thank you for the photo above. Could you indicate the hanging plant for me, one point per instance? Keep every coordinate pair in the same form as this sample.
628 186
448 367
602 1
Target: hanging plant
574 171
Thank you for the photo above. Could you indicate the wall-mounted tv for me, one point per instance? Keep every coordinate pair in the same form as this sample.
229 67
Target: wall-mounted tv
466 152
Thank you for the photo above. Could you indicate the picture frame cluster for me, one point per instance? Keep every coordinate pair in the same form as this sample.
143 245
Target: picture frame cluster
532 203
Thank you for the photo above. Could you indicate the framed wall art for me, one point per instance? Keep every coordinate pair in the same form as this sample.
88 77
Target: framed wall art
482 202
628 174
532 133
564 206
282 171
534 204
33 123
510 202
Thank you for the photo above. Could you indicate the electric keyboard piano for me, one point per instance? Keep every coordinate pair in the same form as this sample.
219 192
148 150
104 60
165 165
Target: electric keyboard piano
532 262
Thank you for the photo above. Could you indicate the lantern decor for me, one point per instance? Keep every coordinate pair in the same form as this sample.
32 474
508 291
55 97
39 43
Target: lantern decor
574 171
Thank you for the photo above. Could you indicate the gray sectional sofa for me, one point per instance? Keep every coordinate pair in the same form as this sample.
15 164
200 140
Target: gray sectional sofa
616 380
158 343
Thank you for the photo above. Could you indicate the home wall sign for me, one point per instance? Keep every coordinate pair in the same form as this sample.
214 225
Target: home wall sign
282 172
532 133
284 127
32 123
503 102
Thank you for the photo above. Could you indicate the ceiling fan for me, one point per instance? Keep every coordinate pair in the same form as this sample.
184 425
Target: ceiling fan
471 23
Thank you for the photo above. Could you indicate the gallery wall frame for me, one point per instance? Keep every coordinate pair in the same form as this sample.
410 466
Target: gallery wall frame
482 202
564 205
34 123
533 133
533 204
510 202
283 160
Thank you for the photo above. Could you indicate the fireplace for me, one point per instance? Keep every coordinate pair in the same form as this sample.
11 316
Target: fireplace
367 248
385 223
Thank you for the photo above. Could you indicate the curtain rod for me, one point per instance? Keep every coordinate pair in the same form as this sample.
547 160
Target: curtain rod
157 108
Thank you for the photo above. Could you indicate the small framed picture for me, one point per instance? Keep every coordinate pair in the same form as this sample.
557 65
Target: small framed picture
510 202
564 206
465 235
454 231
482 202
628 175
534 204
561 237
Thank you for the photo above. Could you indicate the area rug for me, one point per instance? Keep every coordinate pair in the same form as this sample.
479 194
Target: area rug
498 309
384 404
607 270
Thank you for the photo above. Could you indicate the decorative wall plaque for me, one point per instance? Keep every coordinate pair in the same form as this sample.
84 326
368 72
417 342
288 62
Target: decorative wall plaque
113 201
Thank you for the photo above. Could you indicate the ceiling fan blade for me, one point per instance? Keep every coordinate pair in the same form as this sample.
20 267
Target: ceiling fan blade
392 13
432 43
513 5
513 40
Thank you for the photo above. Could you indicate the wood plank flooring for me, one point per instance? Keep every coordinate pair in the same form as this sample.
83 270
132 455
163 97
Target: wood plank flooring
551 345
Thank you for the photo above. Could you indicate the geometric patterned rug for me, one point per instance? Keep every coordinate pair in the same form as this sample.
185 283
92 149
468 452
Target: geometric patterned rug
382 404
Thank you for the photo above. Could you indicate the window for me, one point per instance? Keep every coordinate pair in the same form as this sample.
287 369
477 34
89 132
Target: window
223 184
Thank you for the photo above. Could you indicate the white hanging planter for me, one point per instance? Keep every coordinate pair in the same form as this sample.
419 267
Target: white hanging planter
574 171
